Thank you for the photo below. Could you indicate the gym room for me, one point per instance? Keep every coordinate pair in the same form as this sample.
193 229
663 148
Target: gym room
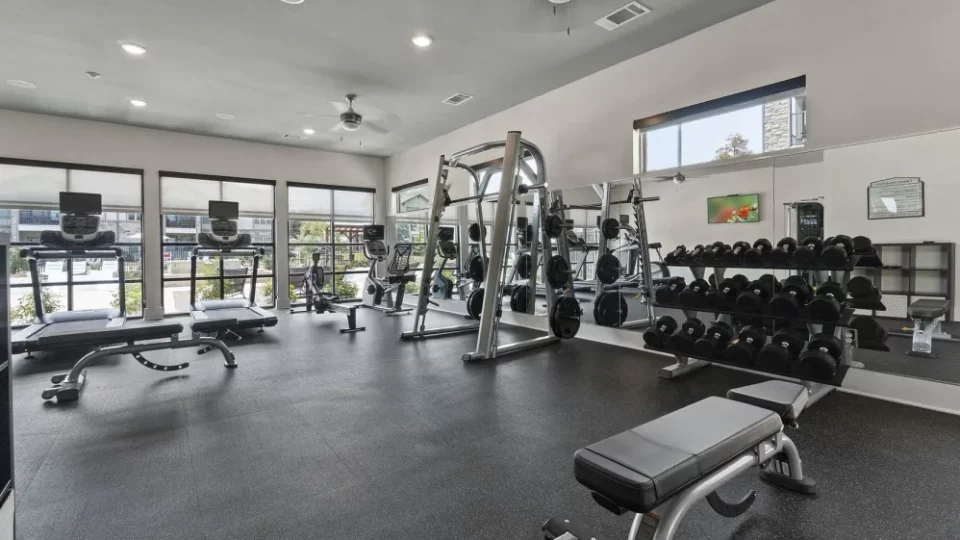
434 269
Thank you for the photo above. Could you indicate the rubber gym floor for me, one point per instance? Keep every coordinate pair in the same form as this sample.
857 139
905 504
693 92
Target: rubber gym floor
323 435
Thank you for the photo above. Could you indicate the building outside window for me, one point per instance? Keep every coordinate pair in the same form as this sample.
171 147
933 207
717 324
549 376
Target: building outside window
184 206
29 202
413 198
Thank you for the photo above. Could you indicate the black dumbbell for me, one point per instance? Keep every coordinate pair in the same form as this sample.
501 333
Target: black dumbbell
757 293
808 251
836 251
714 341
819 361
744 350
784 251
714 252
674 256
794 293
692 256
726 293
667 294
862 245
861 288
828 304
758 252
683 340
735 253
693 296
778 355
656 336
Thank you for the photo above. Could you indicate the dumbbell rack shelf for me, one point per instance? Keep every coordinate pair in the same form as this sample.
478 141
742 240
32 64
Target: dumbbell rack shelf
855 261
804 316
837 380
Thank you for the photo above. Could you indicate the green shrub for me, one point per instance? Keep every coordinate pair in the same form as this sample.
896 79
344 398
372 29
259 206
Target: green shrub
18 265
134 298
24 311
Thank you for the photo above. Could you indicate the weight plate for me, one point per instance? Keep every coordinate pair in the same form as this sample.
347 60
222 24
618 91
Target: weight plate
474 231
830 342
518 298
553 226
610 228
565 320
608 269
610 309
558 271
476 268
475 304
524 265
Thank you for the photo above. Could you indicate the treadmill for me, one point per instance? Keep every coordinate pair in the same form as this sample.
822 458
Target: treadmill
79 237
223 240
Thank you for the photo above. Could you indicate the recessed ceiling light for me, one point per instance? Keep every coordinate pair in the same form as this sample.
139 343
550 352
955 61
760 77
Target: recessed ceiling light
422 40
93 75
137 102
309 131
225 116
292 1
22 84
132 48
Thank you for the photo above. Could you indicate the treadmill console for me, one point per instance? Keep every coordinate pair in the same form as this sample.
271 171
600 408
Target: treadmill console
373 232
223 219
80 215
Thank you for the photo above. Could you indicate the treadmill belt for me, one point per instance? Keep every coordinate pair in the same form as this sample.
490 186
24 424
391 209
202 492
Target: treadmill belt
246 318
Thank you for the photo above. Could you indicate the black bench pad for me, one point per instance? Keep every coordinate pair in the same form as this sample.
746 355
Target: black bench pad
109 336
928 308
641 468
782 397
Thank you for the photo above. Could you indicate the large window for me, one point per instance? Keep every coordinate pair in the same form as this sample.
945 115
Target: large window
768 119
412 197
329 220
29 202
184 205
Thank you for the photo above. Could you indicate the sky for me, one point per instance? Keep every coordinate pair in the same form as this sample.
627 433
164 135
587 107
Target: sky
702 138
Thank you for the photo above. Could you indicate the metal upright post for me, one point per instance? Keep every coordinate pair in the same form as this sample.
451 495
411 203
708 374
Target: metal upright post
534 241
486 340
644 250
604 192
433 228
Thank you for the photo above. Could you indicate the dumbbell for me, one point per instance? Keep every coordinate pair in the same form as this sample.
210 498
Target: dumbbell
819 361
827 305
727 291
778 355
692 256
836 251
861 288
656 336
758 252
793 295
713 342
674 256
691 330
735 253
747 346
784 252
714 252
862 245
757 293
667 294
808 251
693 296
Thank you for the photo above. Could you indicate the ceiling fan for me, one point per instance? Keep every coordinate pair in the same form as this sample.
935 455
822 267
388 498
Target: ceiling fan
350 120
679 178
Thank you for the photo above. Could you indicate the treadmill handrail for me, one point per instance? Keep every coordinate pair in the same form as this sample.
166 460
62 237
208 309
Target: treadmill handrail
45 253
223 252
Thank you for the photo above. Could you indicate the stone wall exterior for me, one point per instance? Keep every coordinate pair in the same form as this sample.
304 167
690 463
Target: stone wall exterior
776 125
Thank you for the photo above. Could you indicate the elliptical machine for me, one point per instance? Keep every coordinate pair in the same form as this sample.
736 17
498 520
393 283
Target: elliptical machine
378 292
319 301
447 251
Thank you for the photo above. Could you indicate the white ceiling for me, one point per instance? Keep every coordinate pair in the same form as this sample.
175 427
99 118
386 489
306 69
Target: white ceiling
276 67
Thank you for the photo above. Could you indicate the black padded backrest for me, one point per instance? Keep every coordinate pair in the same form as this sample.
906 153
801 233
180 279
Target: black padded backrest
401 259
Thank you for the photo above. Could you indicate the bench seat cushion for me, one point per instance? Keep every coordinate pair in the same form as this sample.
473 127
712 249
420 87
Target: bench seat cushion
785 398
928 308
641 468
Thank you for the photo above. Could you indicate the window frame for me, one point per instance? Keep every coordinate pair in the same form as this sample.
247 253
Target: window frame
398 192
70 282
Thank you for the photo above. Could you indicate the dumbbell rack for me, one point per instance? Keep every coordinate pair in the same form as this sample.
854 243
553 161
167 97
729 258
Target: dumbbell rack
688 362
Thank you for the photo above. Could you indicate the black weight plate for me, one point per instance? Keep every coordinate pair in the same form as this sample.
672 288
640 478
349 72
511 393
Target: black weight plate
524 265
860 287
476 268
608 269
474 231
565 320
475 304
518 298
774 358
553 225
610 309
830 342
558 271
610 228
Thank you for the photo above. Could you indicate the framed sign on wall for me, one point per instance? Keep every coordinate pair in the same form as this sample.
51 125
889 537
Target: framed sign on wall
899 197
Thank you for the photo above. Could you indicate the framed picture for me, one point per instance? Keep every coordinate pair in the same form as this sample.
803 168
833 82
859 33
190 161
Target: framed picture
734 209
900 197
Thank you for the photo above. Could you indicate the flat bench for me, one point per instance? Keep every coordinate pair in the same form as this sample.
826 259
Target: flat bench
927 315
661 468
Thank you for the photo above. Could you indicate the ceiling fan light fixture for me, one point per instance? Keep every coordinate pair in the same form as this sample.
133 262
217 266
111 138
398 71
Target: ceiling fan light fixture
350 125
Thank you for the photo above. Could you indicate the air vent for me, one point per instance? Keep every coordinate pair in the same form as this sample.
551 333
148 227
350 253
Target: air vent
291 136
457 99
622 16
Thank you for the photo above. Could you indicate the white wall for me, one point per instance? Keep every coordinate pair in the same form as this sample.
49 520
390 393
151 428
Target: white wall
875 69
40 137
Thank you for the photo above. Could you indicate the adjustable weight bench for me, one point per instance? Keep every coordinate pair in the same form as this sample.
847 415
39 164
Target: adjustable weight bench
927 315
661 468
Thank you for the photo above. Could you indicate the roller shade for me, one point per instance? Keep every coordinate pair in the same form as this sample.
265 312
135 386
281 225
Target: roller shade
254 199
353 204
186 196
310 204
24 186
120 191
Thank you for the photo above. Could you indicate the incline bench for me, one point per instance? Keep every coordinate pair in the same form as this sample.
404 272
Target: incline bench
661 468
927 314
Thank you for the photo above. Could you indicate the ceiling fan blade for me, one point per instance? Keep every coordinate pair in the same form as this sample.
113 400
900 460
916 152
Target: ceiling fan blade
337 128
340 106
372 126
